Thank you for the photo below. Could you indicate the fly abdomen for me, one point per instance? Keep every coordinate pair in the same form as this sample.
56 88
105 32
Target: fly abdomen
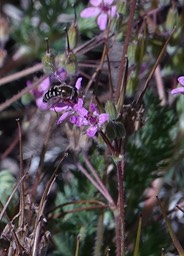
63 92
52 92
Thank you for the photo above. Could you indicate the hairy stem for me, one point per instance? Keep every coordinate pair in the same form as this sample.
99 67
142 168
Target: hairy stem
121 232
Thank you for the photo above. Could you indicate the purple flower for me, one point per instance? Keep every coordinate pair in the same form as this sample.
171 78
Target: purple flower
88 120
70 109
179 90
95 120
39 92
42 88
102 9
76 113
58 106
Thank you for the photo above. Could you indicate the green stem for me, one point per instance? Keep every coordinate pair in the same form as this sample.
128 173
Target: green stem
99 235
120 172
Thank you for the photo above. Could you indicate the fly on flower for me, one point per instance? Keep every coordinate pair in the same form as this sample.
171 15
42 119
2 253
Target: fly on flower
63 92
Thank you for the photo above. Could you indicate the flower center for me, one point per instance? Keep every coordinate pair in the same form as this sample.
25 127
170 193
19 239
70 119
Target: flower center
92 119
105 7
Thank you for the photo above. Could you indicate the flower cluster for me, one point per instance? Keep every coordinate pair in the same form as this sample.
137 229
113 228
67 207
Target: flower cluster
102 9
179 90
88 120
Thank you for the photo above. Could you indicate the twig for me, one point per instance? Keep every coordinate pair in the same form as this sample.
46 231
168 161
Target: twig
16 97
93 171
20 74
139 100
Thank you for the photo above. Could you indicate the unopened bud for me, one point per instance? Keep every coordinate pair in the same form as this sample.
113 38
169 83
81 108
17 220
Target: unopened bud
122 7
132 83
73 32
73 35
70 60
70 63
111 109
48 60
172 18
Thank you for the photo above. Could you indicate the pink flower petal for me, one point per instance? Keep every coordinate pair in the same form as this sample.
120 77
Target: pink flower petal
45 84
109 2
91 131
181 80
179 90
41 105
103 118
102 21
60 107
95 2
112 12
78 83
90 12
63 117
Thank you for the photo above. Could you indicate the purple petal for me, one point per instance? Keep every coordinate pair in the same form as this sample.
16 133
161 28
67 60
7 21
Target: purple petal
82 112
41 105
109 2
93 107
103 118
63 117
112 12
90 12
45 84
179 90
61 108
79 103
78 83
95 2
91 131
78 121
181 80
102 21
73 119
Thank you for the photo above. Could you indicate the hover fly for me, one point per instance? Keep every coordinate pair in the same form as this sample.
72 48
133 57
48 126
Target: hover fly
63 92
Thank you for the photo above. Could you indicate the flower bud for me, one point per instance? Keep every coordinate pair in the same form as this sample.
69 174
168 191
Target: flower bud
70 59
48 60
73 32
111 109
172 19
70 63
60 60
73 35
122 7
132 83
